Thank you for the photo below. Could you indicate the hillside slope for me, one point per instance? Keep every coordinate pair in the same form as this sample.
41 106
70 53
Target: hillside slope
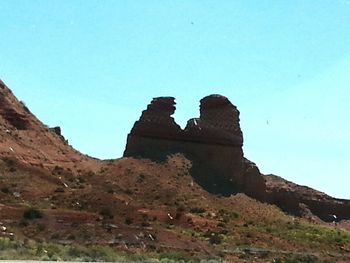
51 193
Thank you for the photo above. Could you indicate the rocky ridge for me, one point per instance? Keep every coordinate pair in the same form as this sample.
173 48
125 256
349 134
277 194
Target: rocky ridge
191 202
24 137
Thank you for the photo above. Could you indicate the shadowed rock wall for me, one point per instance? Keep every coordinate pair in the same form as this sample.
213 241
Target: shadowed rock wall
213 142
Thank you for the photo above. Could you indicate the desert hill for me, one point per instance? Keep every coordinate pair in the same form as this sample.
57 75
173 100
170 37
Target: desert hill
190 192
28 140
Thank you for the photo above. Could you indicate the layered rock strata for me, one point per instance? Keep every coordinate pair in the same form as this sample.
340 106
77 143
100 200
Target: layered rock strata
15 117
303 201
213 142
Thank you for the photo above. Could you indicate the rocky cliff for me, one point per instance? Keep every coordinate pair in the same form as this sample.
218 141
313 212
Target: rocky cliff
213 142
25 138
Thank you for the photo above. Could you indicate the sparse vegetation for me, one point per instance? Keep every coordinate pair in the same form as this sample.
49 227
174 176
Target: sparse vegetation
128 220
9 161
31 250
57 170
32 213
141 178
12 169
106 213
41 227
178 214
305 233
90 174
23 223
297 258
214 238
5 190
49 251
128 191
59 189
197 210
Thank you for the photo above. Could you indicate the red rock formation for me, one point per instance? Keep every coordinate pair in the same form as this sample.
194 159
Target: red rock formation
153 136
218 114
296 199
218 122
213 142
27 140
13 117
156 120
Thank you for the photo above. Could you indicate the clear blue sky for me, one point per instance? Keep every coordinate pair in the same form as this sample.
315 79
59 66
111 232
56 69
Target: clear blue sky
91 67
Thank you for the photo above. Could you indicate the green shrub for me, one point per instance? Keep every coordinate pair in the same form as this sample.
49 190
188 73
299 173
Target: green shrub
292 258
5 190
55 236
128 191
178 215
129 221
32 213
59 190
173 256
41 227
197 210
106 213
214 238
23 223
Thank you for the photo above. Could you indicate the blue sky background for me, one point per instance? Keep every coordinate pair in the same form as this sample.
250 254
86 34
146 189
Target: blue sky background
91 67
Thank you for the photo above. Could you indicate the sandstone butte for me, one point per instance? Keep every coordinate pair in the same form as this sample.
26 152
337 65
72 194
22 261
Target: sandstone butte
213 142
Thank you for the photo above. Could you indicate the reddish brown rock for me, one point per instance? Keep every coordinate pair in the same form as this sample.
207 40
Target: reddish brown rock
156 120
14 117
218 122
297 200
153 135
212 142
219 114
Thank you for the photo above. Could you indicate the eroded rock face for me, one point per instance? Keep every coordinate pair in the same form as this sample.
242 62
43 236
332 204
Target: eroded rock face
12 116
213 142
218 123
298 200
156 120
219 115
